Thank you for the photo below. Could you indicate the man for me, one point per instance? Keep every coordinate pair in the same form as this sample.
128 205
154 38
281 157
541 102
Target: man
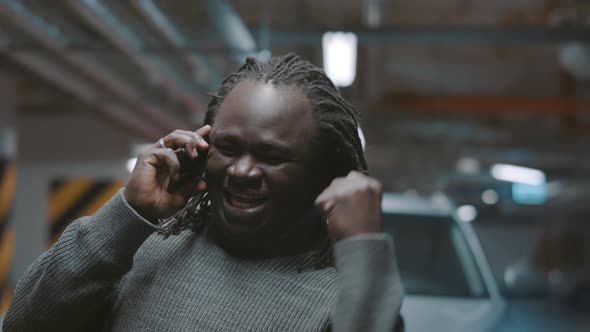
251 247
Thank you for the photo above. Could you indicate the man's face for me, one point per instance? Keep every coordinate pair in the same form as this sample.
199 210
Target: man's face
258 173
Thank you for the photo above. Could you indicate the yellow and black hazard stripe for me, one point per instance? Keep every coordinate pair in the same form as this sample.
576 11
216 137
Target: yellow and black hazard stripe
7 190
73 198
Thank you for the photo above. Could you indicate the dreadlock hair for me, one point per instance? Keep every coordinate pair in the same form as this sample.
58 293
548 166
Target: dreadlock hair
336 123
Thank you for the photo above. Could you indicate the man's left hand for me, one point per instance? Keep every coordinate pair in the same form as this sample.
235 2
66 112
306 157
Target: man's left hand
351 206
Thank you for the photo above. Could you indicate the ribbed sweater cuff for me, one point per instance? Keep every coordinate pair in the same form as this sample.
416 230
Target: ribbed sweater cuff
370 290
119 227
372 251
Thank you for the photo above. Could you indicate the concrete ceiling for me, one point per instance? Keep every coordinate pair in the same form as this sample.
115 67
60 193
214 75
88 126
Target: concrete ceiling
427 74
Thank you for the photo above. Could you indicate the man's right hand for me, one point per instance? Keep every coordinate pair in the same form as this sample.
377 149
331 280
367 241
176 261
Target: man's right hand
148 189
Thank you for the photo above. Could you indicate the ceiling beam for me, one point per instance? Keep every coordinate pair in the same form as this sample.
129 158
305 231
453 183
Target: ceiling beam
234 32
442 35
570 158
70 83
103 20
207 41
51 38
483 104
426 35
203 70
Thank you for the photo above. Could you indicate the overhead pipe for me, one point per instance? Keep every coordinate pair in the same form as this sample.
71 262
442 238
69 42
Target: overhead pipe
206 39
234 32
68 82
203 70
421 35
52 39
101 18
485 104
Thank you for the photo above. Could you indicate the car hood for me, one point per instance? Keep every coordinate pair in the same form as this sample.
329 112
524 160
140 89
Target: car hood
426 313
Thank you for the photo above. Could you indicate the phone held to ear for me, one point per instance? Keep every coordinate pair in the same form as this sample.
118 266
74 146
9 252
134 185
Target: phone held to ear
193 168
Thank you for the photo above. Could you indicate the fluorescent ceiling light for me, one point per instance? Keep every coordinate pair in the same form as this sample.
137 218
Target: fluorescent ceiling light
339 50
575 58
518 174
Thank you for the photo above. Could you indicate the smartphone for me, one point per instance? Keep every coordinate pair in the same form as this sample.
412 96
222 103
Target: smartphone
192 169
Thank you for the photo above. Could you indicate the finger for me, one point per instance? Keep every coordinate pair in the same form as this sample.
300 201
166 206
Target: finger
188 140
170 141
321 197
203 131
353 174
200 134
325 204
168 158
328 192
327 207
199 139
195 144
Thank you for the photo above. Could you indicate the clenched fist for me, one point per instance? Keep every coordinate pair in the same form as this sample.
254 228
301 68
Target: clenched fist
351 206
156 188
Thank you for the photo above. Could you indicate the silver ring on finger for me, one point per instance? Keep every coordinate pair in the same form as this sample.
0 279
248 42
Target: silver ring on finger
161 141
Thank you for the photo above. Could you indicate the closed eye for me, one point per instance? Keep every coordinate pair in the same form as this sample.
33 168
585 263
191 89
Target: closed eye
226 149
273 154
274 159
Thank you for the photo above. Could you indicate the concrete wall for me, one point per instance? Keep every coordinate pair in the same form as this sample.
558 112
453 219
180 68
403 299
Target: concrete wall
51 146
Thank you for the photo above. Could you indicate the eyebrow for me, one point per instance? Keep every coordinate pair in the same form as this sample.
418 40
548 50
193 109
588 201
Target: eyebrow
275 147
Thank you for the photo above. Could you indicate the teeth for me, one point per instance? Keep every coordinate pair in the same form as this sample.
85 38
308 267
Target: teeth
245 202
243 205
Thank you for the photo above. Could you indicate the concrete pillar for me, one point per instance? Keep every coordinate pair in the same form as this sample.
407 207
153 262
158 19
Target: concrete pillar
8 149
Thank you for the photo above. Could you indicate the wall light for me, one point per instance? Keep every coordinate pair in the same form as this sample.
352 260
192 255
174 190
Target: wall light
529 194
490 196
339 50
517 174
468 165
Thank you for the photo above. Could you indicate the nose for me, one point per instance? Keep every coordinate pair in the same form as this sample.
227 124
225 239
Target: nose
244 169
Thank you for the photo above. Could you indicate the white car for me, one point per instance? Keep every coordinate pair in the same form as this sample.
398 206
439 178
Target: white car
448 283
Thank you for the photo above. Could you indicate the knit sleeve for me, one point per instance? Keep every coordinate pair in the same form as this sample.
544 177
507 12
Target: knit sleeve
70 283
370 290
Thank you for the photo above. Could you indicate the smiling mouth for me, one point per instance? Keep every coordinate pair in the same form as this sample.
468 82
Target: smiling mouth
244 201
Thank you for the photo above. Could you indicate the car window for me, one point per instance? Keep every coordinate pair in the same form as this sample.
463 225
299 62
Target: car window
433 256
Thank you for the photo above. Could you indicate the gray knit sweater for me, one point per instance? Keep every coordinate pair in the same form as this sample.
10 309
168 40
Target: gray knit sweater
111 272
